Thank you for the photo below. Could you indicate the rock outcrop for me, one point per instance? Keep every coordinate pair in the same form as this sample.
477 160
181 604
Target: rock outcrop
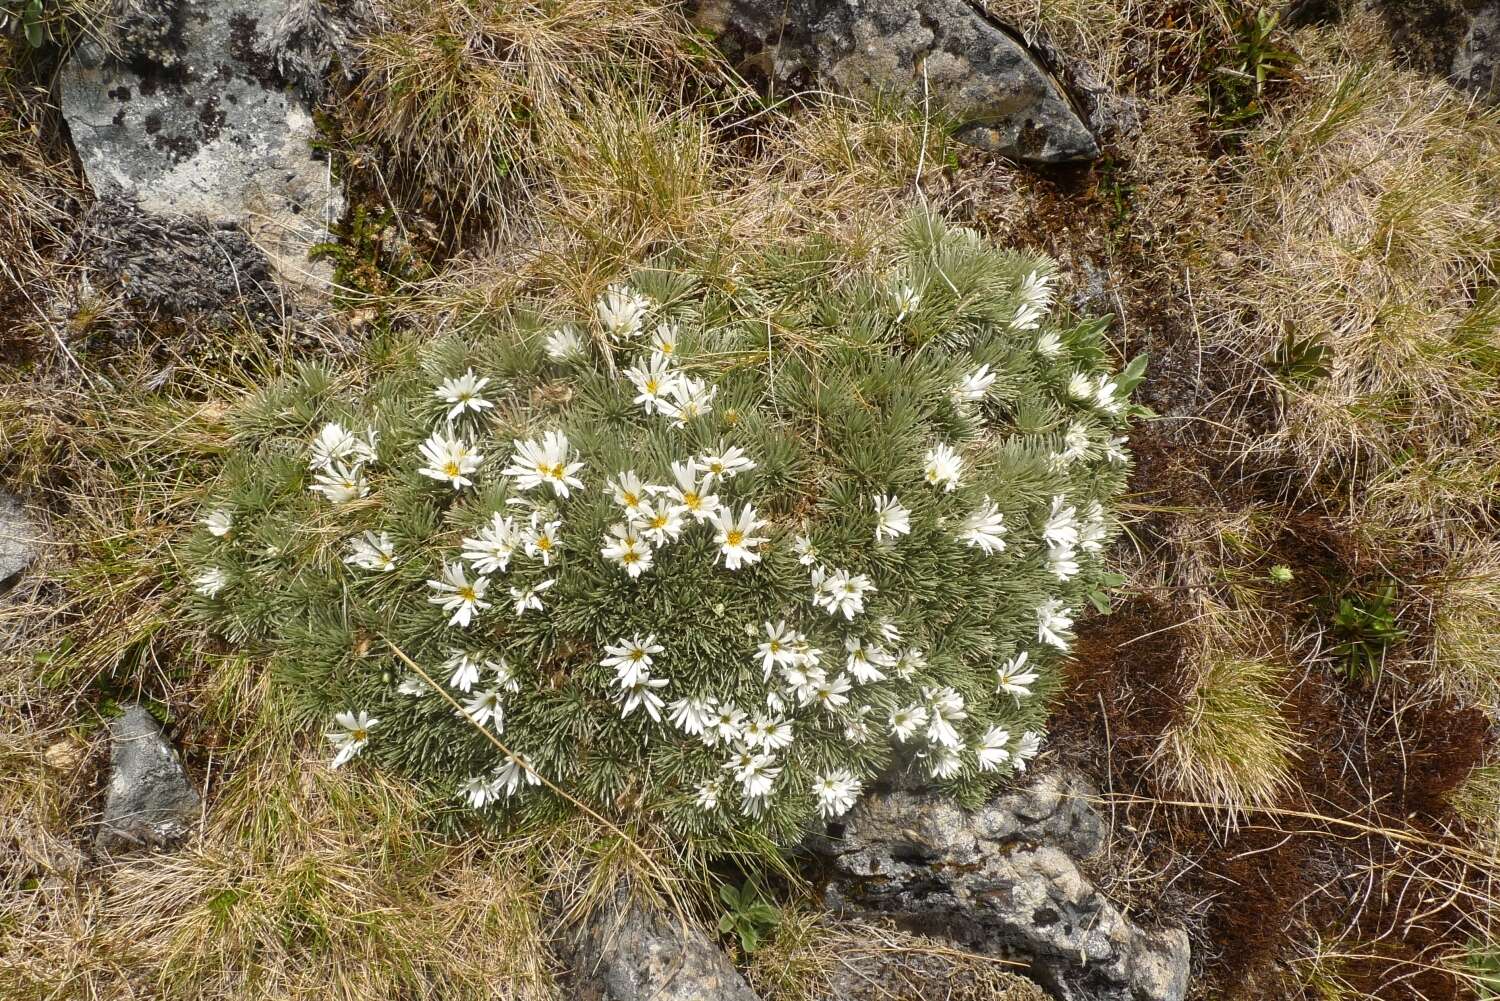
1006 880
1476 63
149 803
948 54
191 118
20 537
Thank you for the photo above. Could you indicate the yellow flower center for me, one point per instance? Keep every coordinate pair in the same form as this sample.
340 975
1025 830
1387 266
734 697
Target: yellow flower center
691 501
734 538
557 471
359 733
651 385
467 594
631 500
630 556
452 469
542 468
544 544
660 521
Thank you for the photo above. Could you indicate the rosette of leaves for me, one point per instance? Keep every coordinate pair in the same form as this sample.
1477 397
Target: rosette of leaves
923 460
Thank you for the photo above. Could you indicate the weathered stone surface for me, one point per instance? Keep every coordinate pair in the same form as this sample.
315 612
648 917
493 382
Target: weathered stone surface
630 951
895 966
1476 64
193 119
945 52
150 803
20 539
1003 879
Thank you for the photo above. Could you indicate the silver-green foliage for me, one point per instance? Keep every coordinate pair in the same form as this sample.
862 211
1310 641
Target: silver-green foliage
837 379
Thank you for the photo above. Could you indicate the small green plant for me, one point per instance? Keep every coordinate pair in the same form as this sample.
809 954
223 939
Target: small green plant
1254 61
1280 574
749 916
1300 361
30 17
1482 964
1365 626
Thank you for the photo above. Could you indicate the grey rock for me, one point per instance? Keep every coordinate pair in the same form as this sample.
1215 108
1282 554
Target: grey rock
948 53
1476 63
1005 879
149 803
191 118
628 950
20 539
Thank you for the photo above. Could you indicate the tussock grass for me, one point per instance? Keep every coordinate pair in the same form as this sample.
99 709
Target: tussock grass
1466 621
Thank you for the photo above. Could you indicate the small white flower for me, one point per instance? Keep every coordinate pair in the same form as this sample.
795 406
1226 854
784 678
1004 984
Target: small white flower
631 659
1035 295
945 707
655 383
830 693
490 550
484 707
836 792
564 345
1080 387
1013 678
341 484
892 518
910 662
865 660
991 750
779 647
706 797
1114 450
210 582
736 537
807 553
984 528
351 736
944 763
975 386
768 733
907 721
907 299
1026 749
690 398
942 466
1092 531
642 695
1061 528
857 725
527 599
691 715
505 678
1075 443
755 771
1053 622
889 633
1049 345
218 522
664 341
457 594
372 552
621 312
689 493
630 493
1105 398
661 523
726 726
414 686
464 670
463 393
542 540
475 791
516 771
336 445
720 465
1063 561
449 459
546 462
840 592
625 547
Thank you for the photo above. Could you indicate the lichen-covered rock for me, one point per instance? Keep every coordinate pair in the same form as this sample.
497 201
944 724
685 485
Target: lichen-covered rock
20 538
1003 879
947 53
628 950
190 118
1476 63
149 803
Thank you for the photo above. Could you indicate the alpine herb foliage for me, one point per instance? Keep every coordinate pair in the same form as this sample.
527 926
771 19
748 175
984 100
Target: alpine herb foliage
713 555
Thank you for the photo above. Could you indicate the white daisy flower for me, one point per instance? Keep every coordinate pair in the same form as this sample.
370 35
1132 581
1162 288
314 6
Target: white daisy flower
830 693
910 662
991 750
755 771
1105 398
726 726
1013 678
767 733
692 715
459 595
706 797
372 552
621 311
336 445
945 707
1035 295
736 537
542 539
505 677
546 462
210 582
807 553
840 592
944 763
892 518
464 670
1080 387
655 383
984 528
564 345
777 648
664 341
691 398
1026 749
836 792
908 721
907 299
490 550
1053 622
1075 443
475 791
449 459
631 659
514 773
484 707
630 493
218 522
865 660
642 695
941 467
1061 527
340 484
1049 345
975 386
351 736
463 393
1063 561
857 726
1092 531
722 464
1114 451
661 523
526 599
415 686
689 493
625 547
